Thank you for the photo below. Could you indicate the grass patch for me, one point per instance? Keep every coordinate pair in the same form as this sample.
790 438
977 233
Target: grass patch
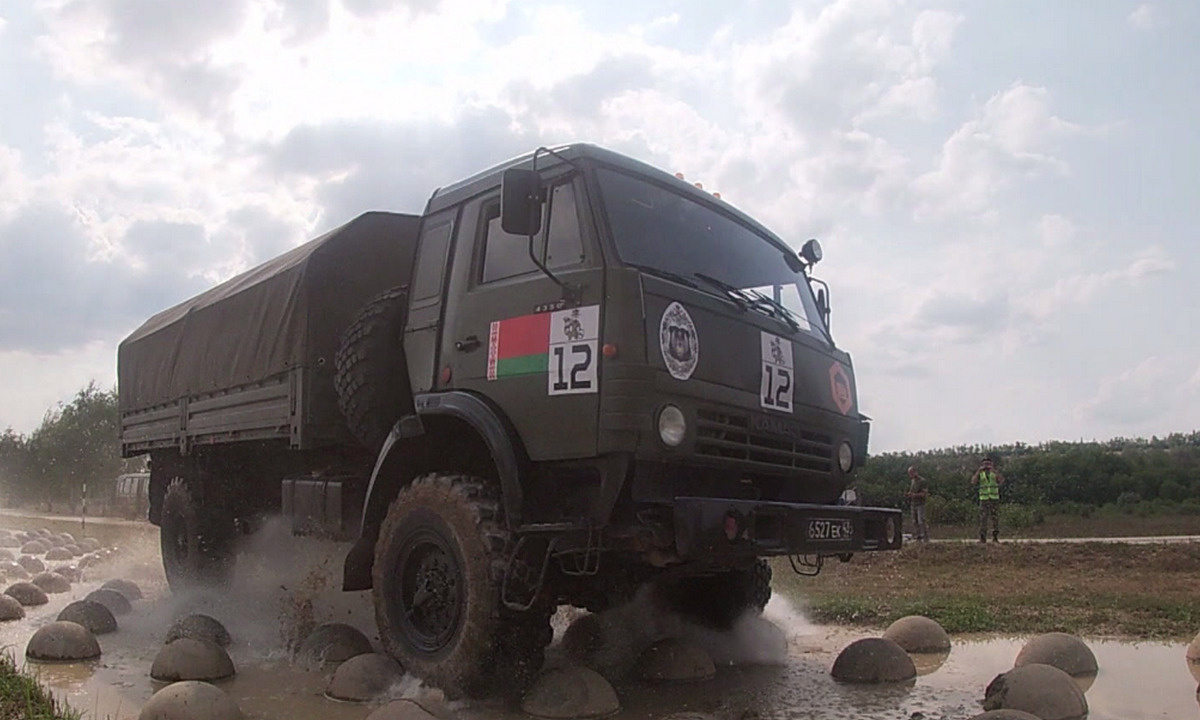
1137 591
964 615
21 696
1099 525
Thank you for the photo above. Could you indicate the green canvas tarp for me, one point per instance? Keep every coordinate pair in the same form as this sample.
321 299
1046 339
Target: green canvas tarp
286 313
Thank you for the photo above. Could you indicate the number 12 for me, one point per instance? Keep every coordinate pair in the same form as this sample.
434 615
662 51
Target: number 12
777 394
580 379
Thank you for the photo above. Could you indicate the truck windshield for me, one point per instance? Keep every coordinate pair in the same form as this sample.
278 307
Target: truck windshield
670 234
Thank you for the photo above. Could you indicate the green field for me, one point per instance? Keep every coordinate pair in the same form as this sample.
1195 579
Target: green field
1023 523
1096 589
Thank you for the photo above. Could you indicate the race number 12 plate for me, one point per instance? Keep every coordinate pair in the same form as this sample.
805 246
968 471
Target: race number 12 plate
573 339
775 392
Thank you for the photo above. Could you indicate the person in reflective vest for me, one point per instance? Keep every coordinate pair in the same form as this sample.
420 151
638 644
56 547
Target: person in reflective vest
989 482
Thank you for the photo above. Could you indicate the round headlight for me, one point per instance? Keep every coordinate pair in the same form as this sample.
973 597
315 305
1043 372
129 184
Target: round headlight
845 457
672 427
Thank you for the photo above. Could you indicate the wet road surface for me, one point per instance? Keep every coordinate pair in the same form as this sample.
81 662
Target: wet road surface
287 585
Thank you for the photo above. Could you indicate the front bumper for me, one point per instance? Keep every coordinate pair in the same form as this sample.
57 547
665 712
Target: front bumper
708 528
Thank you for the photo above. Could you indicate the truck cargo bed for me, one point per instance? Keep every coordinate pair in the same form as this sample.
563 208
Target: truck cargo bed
252 358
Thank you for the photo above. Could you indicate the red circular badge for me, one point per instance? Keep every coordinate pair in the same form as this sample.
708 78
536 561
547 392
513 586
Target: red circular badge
839 386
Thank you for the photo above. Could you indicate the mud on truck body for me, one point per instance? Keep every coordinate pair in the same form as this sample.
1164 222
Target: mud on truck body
571 375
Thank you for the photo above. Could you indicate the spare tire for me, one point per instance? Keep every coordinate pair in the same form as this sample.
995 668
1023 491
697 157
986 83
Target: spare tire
370 373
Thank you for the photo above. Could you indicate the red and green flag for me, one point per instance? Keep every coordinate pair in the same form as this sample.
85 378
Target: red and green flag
519 346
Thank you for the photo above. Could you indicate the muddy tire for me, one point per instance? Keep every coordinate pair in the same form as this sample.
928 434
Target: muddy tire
369 375
717 601
196 546
439 562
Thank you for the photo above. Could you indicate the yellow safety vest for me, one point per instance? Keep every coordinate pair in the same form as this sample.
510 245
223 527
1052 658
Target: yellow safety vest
989 489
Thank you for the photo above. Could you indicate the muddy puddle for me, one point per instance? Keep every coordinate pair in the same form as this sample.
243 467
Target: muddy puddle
288 585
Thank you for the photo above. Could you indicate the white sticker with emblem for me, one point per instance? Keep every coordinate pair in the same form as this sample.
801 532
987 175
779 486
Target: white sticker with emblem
574 338
775 392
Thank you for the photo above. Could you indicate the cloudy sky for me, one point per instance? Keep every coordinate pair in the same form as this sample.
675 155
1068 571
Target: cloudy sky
1008 192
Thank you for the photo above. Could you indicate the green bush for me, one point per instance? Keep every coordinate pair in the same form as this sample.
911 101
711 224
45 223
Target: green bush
1173 491
951 511
1072 508
1013 515
1190 506
1128 500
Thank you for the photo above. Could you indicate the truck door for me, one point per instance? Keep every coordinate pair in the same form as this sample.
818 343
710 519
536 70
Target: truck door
513 338
425 299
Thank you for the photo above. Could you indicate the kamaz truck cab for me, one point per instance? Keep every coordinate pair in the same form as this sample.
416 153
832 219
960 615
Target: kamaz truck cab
655 385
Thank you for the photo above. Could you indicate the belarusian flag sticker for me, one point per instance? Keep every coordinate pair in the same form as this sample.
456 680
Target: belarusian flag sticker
563 343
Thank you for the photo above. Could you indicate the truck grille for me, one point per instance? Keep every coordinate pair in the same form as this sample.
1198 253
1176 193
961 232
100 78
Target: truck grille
729 436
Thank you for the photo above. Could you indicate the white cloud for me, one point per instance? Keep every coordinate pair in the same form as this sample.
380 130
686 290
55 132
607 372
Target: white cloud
14 186
1056 231
45 379
851 63
1083 287
1012 137
968 219
933 35
1146 16
1140 397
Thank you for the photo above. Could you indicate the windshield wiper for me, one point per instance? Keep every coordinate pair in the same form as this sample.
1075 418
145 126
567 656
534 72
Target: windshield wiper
752 298
734 293
775 309
666 275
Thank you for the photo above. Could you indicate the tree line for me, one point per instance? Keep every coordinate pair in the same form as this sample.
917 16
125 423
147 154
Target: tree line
1074 478
77 442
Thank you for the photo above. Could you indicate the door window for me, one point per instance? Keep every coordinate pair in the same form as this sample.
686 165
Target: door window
560 243
431 265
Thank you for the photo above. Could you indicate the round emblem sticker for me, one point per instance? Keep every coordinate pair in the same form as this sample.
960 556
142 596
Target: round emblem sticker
839 387
678 341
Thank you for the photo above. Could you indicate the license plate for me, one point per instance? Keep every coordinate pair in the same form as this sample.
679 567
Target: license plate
828 529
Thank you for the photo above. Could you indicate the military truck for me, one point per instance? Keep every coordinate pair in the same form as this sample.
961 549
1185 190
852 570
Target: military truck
572 375
130 495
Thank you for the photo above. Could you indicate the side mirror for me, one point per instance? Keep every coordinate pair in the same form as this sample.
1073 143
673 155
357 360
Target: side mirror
520 202
823 305
811 252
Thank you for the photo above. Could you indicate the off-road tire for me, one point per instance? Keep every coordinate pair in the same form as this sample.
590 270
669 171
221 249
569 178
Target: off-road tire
449 526
196 542
369 377
717 601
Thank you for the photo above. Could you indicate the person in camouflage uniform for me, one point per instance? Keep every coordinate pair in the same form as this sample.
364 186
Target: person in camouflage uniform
918 493
989 481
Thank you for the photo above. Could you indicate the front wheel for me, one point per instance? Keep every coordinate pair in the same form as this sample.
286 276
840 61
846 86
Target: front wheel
194 540
439 564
